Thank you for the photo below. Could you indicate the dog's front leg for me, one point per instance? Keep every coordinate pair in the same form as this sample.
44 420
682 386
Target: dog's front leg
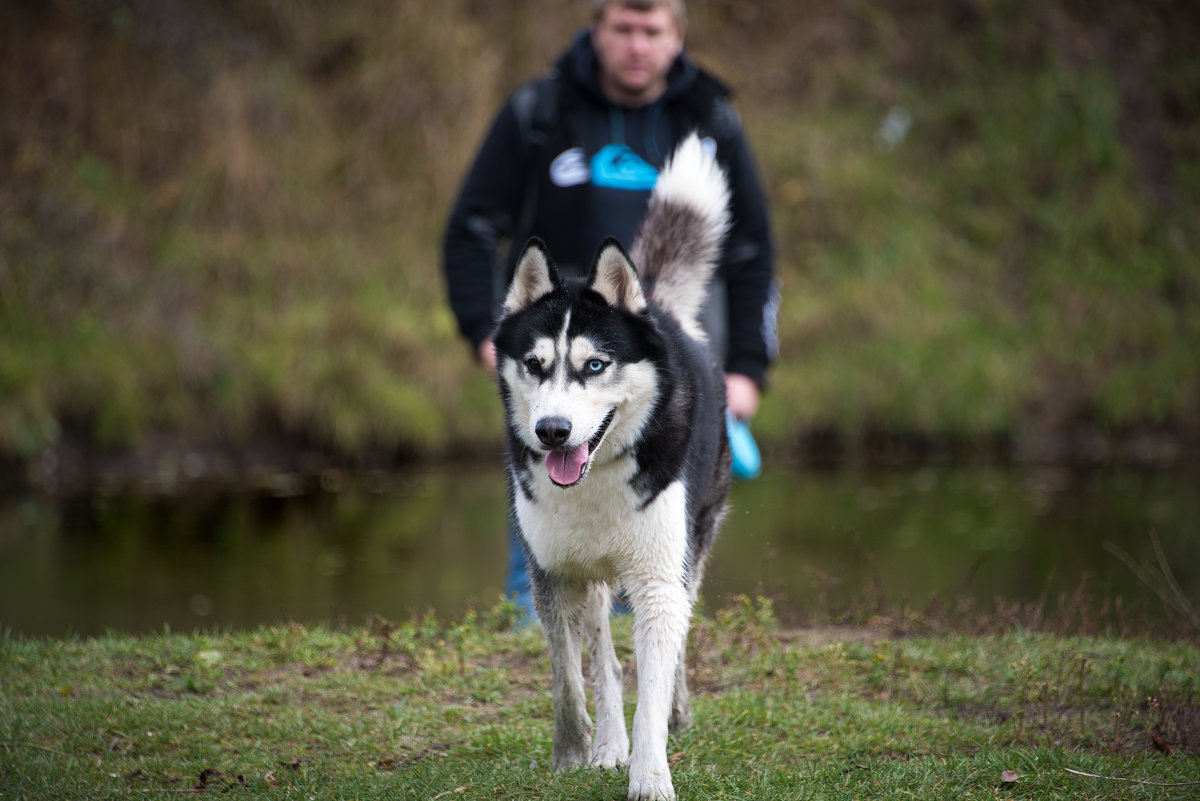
560 607
611 744
661 613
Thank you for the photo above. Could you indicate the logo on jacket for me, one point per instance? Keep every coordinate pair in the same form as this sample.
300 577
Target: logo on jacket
569 168
618 167
613 167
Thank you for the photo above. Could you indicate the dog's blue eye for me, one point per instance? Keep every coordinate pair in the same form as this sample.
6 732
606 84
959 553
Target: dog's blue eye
595 366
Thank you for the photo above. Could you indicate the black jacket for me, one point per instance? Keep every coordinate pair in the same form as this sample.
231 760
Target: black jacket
563 163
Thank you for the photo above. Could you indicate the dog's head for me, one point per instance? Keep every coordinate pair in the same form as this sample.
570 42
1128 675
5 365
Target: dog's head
576 362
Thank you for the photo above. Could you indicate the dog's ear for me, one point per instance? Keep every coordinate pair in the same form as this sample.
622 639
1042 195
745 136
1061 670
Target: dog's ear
536 277
615 278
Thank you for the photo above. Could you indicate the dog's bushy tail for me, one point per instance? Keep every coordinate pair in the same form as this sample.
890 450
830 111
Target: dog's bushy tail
679 242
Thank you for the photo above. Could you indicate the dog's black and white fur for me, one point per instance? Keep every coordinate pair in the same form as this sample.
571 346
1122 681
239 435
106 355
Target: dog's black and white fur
618 461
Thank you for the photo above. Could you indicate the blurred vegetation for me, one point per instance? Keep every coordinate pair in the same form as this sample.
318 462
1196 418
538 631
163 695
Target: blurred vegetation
221 220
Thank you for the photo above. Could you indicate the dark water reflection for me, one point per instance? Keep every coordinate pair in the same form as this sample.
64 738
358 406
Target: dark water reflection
819 543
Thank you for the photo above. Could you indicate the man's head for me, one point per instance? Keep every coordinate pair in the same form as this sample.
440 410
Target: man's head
636 42
677 8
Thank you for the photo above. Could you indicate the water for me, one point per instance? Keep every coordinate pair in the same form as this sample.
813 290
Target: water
819 543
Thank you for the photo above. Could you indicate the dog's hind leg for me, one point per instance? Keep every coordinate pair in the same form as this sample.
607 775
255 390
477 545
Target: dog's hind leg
681 705
610 747
560 607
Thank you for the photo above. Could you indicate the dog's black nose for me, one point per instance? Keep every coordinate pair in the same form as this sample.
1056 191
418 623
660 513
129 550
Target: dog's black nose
553 431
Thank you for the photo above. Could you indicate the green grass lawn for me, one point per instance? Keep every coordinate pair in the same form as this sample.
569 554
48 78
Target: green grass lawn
432 710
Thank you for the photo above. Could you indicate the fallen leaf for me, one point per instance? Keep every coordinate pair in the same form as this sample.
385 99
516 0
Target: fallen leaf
210 778
1009 777
207 775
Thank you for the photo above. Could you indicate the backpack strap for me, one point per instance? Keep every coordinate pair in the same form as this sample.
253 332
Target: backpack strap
537 106
709 107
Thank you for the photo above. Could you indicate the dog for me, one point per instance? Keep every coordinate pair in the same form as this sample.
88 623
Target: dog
618 465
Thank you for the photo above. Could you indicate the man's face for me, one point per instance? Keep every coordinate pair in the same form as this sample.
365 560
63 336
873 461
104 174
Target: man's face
636 50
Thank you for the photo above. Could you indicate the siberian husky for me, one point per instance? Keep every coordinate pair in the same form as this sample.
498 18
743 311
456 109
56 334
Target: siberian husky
618 464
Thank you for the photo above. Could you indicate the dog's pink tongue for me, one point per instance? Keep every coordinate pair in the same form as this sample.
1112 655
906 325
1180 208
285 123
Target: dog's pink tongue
565 467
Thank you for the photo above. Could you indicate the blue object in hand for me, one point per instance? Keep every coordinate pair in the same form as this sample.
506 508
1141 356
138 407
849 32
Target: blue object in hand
747 463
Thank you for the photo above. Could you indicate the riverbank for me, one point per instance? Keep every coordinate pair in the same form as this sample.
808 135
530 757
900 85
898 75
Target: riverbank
275 461
430 709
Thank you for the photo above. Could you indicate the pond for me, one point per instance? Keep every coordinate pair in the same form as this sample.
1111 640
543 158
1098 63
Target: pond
821 544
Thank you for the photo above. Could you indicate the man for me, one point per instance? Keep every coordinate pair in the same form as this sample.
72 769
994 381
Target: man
572 157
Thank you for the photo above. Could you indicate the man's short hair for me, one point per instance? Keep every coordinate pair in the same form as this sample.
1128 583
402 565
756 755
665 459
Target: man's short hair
677 8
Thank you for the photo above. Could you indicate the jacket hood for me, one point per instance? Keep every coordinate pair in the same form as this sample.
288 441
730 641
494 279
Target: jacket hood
580 66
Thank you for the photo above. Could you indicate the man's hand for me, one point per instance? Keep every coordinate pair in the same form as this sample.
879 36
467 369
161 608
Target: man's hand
487 356
741 395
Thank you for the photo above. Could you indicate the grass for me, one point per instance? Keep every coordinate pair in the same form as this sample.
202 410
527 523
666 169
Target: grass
244 242
428 709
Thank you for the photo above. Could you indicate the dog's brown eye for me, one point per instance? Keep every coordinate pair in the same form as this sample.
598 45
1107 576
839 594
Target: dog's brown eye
533 364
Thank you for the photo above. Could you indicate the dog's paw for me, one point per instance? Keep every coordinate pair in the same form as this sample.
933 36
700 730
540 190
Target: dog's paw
610 752
650 785
572 743
649 781
568 758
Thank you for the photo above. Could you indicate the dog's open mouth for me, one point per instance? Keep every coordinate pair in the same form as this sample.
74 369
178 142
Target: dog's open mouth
567 466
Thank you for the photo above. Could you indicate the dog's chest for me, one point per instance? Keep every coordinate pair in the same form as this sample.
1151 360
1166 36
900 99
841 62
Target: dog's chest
600 530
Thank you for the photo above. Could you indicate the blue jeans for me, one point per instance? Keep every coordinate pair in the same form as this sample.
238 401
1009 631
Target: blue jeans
517 586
